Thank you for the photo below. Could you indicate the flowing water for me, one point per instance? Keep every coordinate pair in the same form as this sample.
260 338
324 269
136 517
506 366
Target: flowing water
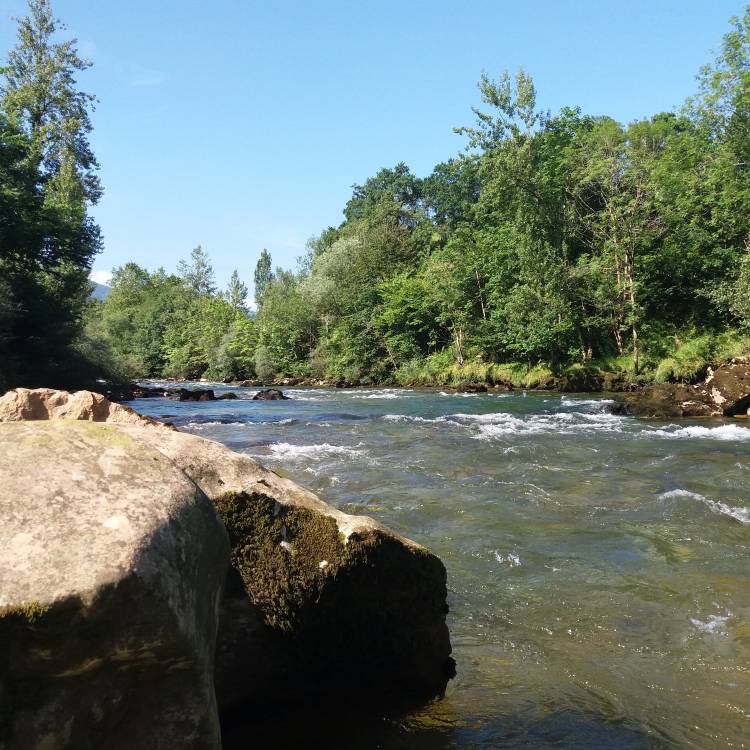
598 566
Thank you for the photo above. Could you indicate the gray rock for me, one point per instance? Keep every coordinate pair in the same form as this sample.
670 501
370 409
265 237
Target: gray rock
111 568
317 602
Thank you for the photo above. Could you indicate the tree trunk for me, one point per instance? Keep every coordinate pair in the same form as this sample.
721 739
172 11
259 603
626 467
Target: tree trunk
629 275
481 301
458 336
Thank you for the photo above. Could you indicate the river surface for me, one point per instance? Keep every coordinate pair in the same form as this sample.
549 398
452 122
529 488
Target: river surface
598 566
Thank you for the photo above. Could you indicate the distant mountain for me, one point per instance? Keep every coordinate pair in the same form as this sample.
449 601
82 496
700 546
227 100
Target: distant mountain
99 291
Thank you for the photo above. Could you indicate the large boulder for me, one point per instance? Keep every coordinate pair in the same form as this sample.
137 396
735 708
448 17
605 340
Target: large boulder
111 569
725 392
316 602
728 387
666 400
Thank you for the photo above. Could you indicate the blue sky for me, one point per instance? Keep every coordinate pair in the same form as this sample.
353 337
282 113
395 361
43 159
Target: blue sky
240 124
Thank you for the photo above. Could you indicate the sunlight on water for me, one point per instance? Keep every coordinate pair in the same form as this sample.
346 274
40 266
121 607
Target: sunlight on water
598 565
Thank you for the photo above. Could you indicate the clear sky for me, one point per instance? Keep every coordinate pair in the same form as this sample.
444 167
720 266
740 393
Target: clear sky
241 124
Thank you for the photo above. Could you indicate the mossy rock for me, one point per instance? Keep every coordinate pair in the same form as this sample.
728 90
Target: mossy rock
327 606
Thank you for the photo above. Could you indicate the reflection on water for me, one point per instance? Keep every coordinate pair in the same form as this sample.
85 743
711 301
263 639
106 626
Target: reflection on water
598 565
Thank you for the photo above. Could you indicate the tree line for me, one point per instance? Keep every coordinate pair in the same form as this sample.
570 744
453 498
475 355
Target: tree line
564 240
555 242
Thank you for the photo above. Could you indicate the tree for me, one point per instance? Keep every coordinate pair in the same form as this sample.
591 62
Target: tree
398 186
616 199
514 114
741 291
40 96
197 274
263 276
452 190
236 294
47 179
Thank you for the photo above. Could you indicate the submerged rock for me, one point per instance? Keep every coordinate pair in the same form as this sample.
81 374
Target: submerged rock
724 392
270 394
111 567
187 394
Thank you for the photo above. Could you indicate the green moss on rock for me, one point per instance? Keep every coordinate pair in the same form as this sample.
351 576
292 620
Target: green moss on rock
369 604
284 554
23 614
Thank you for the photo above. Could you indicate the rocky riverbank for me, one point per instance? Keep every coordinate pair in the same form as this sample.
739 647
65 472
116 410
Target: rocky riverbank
724 392
153 581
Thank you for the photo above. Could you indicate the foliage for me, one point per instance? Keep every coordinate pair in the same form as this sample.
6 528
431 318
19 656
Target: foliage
47 181
263 276
560 243
162 324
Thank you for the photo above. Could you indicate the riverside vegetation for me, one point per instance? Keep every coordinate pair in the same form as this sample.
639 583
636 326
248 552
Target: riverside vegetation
560 243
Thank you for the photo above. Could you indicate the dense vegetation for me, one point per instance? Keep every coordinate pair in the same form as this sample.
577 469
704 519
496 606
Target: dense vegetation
47 181
177 325
555 243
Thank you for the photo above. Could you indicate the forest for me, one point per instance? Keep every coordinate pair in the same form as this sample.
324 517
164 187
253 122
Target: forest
553 243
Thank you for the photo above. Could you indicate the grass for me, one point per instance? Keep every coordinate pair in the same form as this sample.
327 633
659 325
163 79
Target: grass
664 358
441 369
689 358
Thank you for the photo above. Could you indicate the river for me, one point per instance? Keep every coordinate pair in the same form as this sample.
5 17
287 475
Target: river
598 565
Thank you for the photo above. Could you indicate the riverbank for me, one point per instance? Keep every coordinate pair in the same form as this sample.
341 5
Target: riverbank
723 391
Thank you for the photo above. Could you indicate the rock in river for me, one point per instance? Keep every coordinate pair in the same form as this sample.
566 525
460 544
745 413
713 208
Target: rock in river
724 392
112 559
190 394
111 569
313 596
270 394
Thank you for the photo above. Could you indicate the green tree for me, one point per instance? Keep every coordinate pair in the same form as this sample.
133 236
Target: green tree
397 186
197 273
236 294
263 276
39 94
